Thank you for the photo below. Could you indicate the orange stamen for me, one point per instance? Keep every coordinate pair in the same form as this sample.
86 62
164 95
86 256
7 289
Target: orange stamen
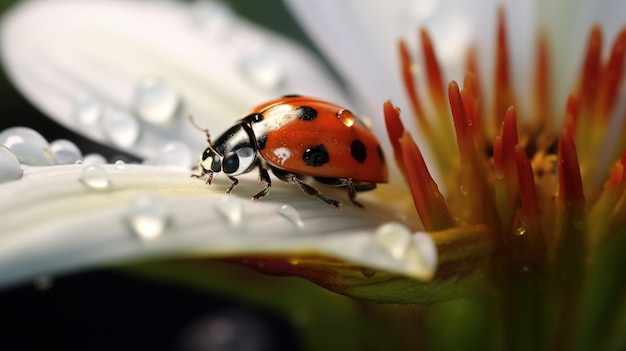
433 75
570 182
542 86
395 130
429 202
410 86
503 90
474 182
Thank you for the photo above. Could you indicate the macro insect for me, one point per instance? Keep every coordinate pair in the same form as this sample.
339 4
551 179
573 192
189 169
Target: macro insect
297 138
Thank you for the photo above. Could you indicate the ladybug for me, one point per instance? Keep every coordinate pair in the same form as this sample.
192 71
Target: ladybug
298 138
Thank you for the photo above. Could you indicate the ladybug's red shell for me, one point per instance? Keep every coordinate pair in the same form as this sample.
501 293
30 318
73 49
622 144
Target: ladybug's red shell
313 137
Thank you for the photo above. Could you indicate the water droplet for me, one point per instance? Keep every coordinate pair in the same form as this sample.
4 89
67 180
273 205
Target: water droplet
580 223
155 100
148 216
367 272
215 18
263 68
499 175
231 208
521 230
87 110
415 68
65 152
393 238
27 145
174 153
119 164
422 256
10 168
43 282
346 117
121 128
94 177
291 214
93 159
463 190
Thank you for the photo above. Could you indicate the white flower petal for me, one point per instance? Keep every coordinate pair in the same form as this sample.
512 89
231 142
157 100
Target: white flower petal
65 218
95 65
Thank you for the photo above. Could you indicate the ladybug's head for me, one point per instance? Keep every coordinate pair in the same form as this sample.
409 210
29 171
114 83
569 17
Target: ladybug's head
233 152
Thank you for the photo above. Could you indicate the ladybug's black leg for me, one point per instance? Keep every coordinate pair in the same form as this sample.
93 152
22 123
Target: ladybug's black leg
232 185
264 177
352 192
309 190
314 192
350 186
201 174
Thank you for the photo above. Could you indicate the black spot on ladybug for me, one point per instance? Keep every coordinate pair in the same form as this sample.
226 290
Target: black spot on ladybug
381 154
315 156
306 113
253 118
357 149
291 96
260 142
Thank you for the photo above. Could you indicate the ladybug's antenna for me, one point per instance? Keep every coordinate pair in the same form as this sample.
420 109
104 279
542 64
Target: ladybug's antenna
205 130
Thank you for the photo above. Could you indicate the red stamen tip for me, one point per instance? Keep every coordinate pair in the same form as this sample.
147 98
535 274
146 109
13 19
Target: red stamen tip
409 83
395 129
570 182
435 81
429 202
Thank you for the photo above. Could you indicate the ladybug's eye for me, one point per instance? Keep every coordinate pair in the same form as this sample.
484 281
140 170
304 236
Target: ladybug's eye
208 161
238 161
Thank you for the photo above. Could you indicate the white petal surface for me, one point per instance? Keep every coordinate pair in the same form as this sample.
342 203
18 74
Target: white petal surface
57 219
128 73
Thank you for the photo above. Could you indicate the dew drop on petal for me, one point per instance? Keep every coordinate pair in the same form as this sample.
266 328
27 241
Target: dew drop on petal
87 110
94 177
463 190
215 18
121 128
367 272
155 100
27 145
148 216
43 282
393 238
291 214
174 153
263 68
10 168
521 230
580 223
499 175
92 159
421 258
119 164
65 152
231 208
346 117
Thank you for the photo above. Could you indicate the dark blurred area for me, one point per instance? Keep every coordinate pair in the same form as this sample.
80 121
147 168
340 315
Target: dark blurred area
106 311
109 311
